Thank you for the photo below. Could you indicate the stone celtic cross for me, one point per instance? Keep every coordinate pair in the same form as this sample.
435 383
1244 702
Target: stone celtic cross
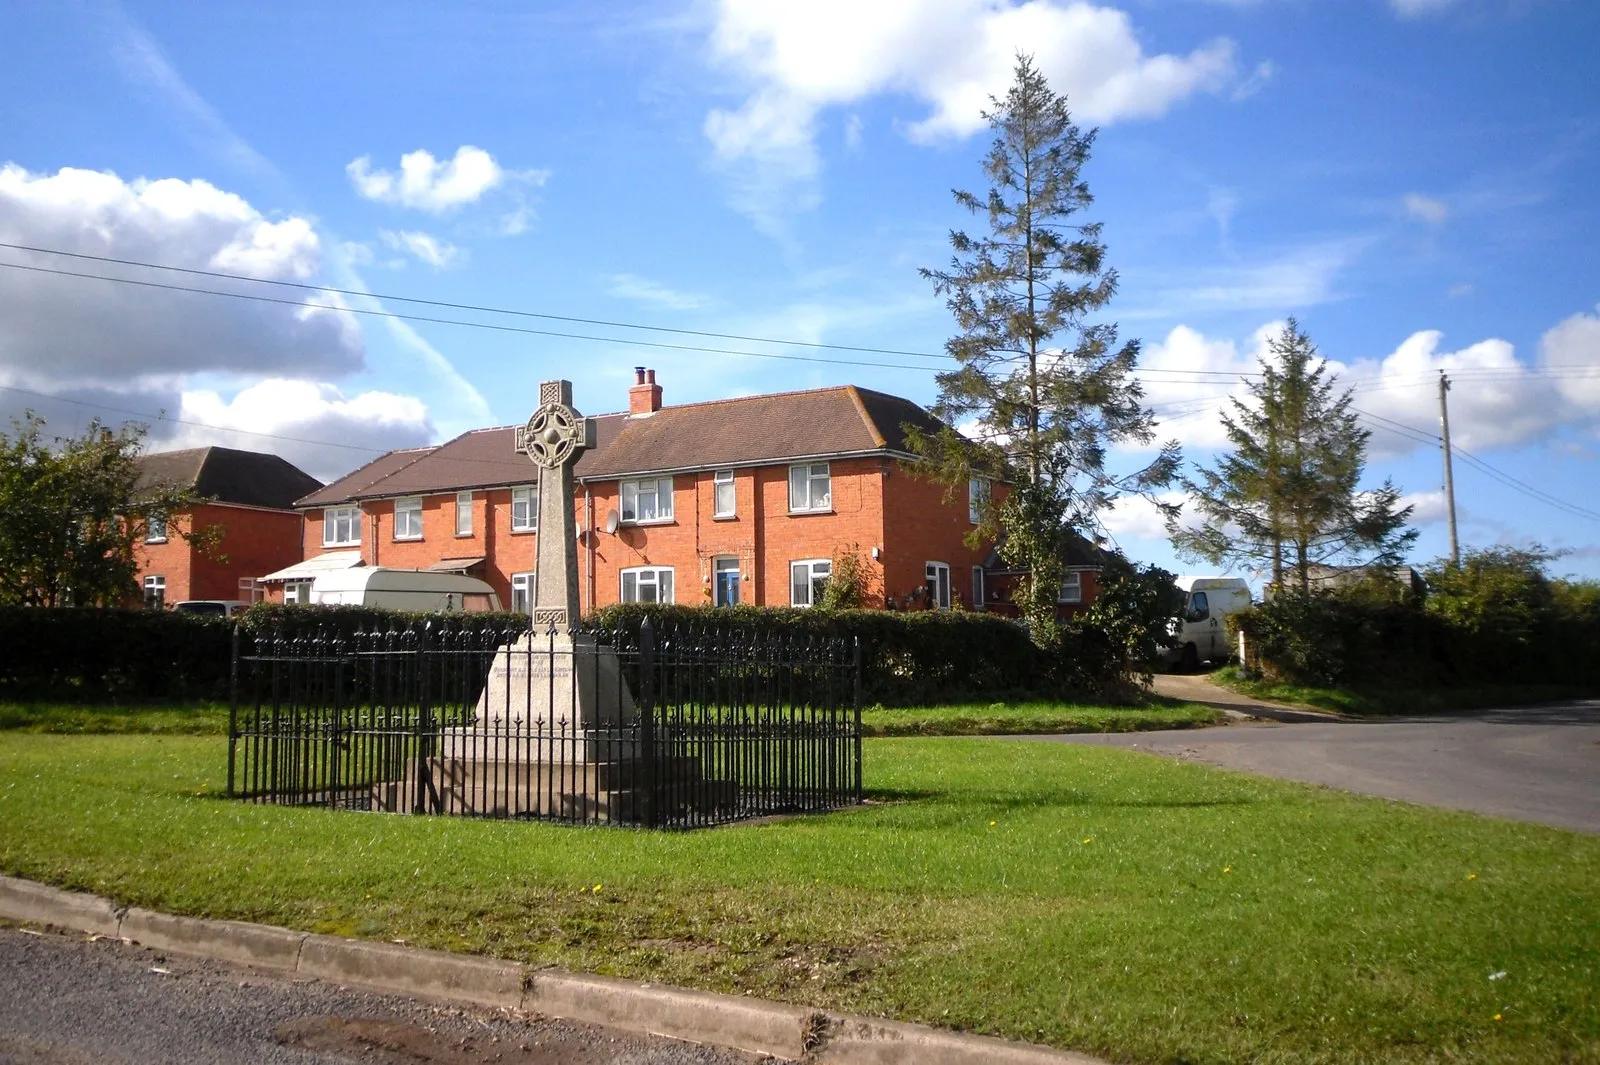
554 439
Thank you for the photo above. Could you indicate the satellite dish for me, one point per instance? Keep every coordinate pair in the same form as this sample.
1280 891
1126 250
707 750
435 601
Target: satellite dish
612 521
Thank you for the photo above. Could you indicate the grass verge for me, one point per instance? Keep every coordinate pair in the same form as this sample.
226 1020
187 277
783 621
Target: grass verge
994 719
1380 702
195 719
1033 719
1144 909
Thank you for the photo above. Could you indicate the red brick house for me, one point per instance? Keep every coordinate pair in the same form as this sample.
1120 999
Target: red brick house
248 495
744 500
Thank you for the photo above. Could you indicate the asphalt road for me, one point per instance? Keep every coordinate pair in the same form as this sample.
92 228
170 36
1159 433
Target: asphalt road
1537 764
65 1000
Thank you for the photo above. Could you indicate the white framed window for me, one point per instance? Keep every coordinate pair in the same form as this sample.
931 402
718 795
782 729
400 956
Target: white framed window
807 578
977 498
463 513
522 593
1071 588
977 588
155 592
938 574
297 592
155 529
408 518
647 501
525 508
810 487
341 527
724 503
647 584
250 590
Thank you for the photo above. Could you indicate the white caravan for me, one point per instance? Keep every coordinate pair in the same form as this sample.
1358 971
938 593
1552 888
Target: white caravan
1204 636
403 589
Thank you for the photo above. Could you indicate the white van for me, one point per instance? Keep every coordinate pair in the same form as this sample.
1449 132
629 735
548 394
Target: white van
403 589
1204 636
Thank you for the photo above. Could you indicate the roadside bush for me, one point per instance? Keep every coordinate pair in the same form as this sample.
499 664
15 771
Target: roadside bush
84 654
1498 618
1111 649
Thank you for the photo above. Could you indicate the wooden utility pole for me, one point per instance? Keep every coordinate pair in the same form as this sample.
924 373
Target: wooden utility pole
1449 478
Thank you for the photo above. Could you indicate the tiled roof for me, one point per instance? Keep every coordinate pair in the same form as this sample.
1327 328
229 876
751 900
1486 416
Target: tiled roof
227 475
348 486
750 430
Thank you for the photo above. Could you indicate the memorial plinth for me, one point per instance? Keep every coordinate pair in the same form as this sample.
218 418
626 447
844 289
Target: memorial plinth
555 729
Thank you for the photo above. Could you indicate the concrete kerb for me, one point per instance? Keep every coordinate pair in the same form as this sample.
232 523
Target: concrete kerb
755 1025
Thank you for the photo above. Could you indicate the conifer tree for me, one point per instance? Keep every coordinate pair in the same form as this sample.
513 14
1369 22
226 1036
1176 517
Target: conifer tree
1042 389
1291 484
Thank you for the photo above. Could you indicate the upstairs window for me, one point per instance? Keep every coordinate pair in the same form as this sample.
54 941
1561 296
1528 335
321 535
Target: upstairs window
463 513
938 576
525 509
724 504
341 527
807 578
810 487
1071 589
977 498
155 529
647 501
408 518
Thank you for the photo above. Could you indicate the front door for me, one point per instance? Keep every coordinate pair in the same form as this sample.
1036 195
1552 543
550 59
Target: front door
727 581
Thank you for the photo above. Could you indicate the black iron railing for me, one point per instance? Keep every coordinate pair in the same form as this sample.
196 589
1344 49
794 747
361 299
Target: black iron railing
676 730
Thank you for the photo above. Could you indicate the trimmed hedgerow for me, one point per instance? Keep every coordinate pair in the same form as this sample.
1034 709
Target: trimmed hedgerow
99 654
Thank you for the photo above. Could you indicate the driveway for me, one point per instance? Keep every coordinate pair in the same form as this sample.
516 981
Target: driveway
1538 764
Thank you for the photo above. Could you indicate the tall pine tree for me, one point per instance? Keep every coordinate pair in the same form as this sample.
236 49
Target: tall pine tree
1036 412
1288 494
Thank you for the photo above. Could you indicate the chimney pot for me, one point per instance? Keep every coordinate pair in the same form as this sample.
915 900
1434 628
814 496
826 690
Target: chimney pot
645 396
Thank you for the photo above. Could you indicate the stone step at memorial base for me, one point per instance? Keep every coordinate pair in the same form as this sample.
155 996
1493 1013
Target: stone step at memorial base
579 791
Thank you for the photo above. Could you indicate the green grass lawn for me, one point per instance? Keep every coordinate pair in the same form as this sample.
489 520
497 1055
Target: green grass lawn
1145 909
211 719
195 719
1019 719
1387 701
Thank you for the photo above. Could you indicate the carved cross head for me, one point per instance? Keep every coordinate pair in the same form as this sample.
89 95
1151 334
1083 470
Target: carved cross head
556 434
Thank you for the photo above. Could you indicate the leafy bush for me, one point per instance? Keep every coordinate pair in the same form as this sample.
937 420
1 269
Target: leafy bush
1498 618
1111 649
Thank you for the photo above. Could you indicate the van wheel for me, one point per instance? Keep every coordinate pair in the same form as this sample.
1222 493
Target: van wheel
1190 662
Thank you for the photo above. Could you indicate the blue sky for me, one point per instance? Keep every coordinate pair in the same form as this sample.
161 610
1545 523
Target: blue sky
1412 179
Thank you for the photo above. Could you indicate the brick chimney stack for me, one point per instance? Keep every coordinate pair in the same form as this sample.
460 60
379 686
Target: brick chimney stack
645 396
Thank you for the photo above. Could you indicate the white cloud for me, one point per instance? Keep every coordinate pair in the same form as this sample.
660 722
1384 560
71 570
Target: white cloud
1427 508
643 290
437 186
1426 208
1496 399
1294 279
1419 8
1265 71
1135 517
1460 291
312 425
437 253
81 332
802 56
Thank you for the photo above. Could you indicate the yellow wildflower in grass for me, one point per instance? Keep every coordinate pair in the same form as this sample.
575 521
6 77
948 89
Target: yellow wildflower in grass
1472 876
1227 868
1088 839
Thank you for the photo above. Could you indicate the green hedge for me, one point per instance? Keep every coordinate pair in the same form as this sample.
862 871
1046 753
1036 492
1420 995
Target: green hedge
917 658
1496 619
91 654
